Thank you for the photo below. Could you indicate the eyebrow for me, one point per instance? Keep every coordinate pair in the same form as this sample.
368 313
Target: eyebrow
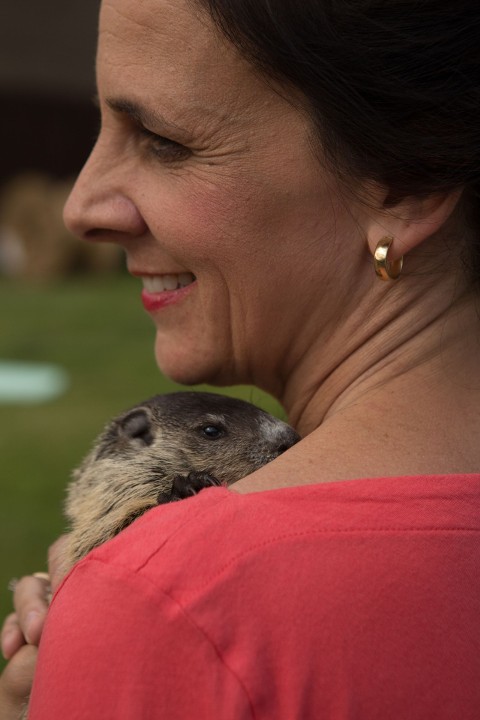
142 115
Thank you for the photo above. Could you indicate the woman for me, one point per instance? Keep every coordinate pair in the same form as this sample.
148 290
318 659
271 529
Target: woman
257 162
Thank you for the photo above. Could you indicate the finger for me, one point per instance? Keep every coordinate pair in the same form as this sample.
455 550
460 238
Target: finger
16 683
30 600
12 637
56 554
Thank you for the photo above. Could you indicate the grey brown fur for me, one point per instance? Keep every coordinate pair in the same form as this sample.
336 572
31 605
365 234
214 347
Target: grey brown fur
142 455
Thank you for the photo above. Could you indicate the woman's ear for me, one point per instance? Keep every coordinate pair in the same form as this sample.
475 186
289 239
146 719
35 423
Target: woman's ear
409 222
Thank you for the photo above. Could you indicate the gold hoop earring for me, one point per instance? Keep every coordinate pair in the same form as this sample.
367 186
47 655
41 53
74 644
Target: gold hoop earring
385 269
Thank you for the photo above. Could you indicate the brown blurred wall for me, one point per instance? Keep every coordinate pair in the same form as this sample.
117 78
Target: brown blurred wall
47 52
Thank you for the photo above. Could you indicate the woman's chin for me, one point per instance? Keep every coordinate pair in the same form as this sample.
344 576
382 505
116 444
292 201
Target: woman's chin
190 365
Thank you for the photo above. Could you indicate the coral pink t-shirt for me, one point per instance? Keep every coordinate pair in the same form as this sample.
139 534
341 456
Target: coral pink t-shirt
355 600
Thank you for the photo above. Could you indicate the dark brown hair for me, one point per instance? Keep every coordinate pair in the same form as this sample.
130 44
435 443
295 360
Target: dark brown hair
393 86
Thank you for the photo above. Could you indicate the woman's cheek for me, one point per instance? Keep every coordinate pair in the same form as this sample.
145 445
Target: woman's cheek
218 211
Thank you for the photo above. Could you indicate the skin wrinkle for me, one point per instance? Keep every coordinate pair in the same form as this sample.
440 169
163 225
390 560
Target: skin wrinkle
198 139
381 348
209 145
144 116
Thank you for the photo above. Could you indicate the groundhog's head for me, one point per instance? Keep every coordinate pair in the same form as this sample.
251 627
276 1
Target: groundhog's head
136 458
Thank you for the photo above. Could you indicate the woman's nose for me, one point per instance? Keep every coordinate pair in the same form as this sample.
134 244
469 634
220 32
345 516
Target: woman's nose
99 206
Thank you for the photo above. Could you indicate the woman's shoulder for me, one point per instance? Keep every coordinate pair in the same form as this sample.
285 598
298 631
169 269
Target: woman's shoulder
181 545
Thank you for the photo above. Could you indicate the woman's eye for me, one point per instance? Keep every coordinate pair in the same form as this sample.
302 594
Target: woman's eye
163 147
212 432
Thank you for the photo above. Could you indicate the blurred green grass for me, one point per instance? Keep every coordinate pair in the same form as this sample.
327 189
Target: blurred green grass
97 331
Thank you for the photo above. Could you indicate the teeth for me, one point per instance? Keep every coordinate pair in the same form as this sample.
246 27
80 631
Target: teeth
170 282
160 283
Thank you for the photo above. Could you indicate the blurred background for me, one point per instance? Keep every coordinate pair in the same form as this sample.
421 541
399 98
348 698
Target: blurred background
75 344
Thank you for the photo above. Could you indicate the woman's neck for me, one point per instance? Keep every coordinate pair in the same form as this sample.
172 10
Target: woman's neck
423 338
404 402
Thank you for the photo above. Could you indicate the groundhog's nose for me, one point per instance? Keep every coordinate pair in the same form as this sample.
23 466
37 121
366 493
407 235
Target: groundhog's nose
289 438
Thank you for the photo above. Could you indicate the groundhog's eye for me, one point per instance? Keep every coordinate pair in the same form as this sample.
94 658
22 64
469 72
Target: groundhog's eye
212 432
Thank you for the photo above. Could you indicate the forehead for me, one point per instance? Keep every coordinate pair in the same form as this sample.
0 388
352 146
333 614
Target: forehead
156 30
171 51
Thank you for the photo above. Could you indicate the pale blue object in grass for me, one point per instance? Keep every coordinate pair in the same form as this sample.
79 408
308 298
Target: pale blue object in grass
28 382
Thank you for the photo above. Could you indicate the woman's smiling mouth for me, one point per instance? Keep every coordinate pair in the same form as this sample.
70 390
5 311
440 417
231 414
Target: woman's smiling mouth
162 290
160 283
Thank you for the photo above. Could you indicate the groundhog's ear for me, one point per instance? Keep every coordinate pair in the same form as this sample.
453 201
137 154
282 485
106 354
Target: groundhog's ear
137 425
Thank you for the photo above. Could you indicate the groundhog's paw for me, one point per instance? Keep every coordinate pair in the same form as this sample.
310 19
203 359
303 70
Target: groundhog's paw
185 486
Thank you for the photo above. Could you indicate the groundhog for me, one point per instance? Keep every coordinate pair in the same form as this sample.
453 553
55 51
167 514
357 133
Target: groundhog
165 449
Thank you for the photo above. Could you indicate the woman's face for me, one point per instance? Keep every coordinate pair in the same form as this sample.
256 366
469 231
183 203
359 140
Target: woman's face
206 176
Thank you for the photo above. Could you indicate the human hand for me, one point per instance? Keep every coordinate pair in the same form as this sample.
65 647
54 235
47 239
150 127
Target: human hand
16 683
30 600
22 630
